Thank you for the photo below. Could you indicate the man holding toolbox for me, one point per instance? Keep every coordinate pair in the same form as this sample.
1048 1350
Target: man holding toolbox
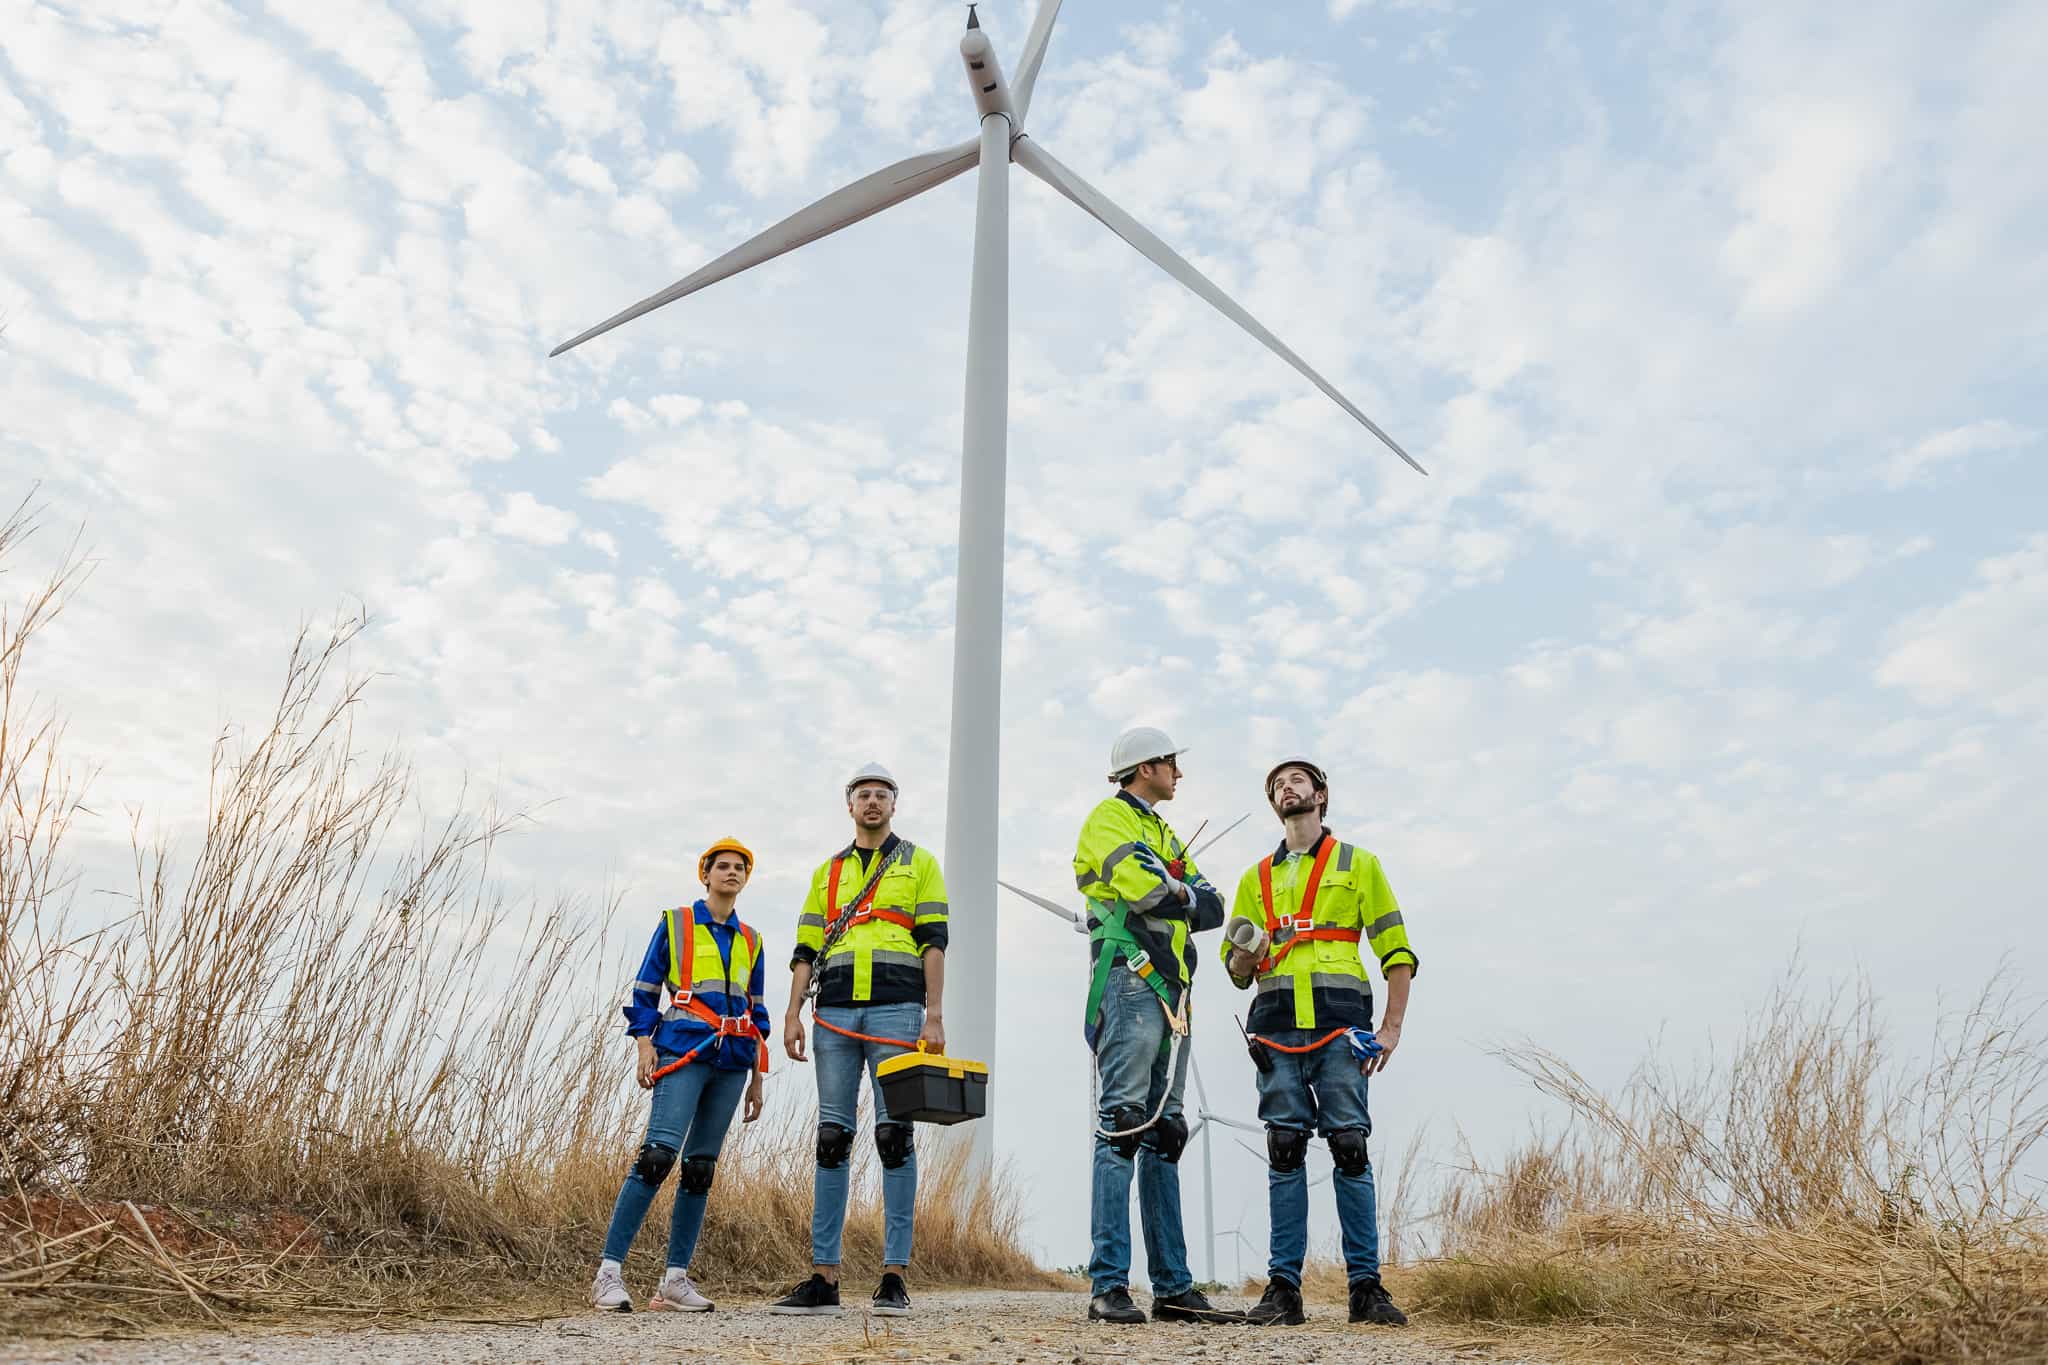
871 949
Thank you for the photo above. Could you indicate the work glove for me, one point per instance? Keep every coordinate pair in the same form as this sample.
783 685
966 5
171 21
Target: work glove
1176 889
1247 937
1364 1047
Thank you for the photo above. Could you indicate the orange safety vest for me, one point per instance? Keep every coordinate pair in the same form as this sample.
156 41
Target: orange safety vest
683 997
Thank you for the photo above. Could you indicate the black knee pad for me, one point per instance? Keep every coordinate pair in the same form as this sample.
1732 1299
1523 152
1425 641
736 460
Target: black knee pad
654 1163
1286 1148
1121 1120
697 1174
1347 1151
894 1144
835 1144
1169 1138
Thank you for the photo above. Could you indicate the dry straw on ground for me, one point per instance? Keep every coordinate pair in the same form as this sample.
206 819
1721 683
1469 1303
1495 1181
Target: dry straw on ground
1809 1198
328 1011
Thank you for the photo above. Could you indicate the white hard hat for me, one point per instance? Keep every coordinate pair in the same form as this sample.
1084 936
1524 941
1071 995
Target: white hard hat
871 772
1140 744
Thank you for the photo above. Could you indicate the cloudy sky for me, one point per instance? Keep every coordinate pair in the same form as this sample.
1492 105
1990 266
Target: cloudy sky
1719 629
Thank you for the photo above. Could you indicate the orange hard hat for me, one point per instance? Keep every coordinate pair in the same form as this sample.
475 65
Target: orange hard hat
726 845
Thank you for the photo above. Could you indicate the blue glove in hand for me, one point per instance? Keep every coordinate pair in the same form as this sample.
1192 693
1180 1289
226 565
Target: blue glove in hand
1364 1046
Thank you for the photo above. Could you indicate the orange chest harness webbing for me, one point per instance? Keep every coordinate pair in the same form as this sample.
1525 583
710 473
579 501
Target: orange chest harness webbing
859 911
682 959
1300 928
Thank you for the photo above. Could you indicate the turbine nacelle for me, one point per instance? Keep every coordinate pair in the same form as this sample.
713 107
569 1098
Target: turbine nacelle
985 74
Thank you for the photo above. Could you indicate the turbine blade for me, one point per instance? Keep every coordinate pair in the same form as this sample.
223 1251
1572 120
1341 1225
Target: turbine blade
1042 164
1211 840
1034 57
1040 901
843 207
1240 1124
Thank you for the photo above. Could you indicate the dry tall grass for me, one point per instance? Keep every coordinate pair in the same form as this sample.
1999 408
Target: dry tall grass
353 1068
1807 1198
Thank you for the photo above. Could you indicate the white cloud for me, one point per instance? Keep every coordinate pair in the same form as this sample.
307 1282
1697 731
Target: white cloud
1920 460
1989 645
525 517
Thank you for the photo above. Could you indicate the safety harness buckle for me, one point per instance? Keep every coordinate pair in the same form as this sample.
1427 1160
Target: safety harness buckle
734 1026
1139 962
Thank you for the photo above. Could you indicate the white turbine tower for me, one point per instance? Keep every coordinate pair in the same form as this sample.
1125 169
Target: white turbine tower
971 776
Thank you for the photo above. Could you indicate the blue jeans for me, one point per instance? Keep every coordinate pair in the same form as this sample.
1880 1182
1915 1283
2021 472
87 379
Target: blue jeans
839 1061
1320 1091
1131 1066
692 1109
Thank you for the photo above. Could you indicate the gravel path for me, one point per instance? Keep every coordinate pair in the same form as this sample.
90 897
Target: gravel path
994 1326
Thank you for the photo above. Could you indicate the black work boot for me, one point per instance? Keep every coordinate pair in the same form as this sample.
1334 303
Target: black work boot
1369 1303
1190 1305
814 1296
892 1299
1114 1306
1279 1306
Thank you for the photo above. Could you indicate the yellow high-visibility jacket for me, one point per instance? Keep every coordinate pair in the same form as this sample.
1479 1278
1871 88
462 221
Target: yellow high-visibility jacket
1319 982
879 960
1120 856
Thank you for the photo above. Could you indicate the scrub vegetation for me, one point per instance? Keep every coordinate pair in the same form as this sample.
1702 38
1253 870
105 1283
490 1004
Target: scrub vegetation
1810 1196
323 1060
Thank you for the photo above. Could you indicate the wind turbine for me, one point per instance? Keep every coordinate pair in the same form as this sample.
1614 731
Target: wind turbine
972 765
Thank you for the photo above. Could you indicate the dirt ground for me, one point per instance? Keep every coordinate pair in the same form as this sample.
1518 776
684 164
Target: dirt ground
994 1326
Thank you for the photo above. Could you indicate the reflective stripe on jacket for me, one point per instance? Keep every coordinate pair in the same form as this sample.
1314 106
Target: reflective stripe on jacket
1321 983
1121 856
726 974
879 960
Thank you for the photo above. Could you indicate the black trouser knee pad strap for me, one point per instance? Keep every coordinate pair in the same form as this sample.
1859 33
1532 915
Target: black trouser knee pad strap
1169 1138
697 1174
1286 1148
835 1144
654 1163
895 1144
1121 1120
1347 1151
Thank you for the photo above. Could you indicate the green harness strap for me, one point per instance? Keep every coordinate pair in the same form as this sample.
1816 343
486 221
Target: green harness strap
1116 938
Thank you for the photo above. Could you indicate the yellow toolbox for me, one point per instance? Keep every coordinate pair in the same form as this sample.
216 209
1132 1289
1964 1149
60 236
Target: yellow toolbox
930 1087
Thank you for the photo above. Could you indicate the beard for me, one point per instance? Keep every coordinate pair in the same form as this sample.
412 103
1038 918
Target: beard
1294 808
874 821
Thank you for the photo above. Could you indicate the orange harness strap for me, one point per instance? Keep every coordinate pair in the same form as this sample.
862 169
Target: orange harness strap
862 908
1304 923
820 1021
1332 1036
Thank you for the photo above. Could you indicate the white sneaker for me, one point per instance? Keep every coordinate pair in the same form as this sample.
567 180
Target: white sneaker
676 1294
608 1291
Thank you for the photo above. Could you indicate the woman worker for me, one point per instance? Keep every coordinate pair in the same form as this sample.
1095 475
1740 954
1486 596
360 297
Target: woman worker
697 1056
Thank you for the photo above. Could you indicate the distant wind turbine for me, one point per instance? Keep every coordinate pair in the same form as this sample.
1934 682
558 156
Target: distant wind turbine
971 777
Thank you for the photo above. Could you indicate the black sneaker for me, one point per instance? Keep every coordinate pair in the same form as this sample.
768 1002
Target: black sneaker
1190 1305
891 1299
1369 1303
1114 1306
812 1296
1279 1306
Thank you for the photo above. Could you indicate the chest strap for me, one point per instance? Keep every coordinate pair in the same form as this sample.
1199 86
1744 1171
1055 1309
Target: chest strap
862 908
1284 931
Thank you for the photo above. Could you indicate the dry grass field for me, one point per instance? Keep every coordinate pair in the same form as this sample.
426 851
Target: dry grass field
320 1062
